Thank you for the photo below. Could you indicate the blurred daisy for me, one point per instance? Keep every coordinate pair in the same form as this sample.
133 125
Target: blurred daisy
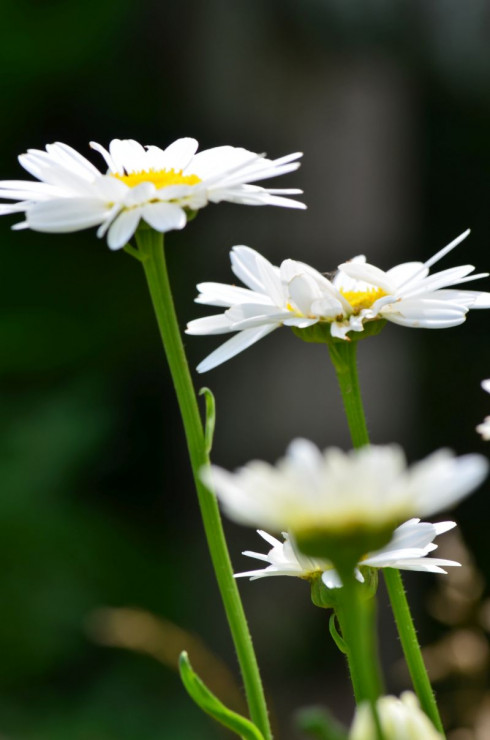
339 494
158 186
407 550
400 719
484 427
296 295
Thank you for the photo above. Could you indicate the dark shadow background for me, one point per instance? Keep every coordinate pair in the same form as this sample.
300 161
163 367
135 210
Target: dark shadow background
390 102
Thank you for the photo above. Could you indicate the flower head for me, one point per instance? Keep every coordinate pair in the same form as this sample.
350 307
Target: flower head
297 295
400 719
336 496
158 186
408 549
484 427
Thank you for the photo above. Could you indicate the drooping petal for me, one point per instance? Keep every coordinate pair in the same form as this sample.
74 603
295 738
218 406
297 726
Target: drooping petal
164 216
123 228
234 346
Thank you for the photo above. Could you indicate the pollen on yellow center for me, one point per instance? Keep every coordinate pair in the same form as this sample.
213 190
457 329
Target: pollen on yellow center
360 299
159 178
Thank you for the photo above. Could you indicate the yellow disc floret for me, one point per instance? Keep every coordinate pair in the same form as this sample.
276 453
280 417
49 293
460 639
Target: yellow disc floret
363 298
159 178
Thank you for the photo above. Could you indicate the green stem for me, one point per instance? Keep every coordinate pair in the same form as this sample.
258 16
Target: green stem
151 251
411 647
343 357
356 615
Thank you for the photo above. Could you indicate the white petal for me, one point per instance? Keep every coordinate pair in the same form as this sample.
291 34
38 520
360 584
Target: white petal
164 216
128 155
178 155
245 263
440 481
234 346
303 290
64 215
107 157
123 228
331 579
220 294
249 315
218 324
368 274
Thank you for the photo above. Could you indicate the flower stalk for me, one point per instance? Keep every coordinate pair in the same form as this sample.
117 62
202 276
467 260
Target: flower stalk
343 356
152 256
356 616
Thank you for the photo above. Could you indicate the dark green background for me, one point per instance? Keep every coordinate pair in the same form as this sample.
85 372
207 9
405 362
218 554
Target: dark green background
390 103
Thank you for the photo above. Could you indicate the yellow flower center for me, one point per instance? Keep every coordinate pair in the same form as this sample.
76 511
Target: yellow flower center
363 298
160 178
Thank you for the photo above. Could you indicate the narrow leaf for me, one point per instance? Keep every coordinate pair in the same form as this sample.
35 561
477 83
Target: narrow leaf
210 418
210 704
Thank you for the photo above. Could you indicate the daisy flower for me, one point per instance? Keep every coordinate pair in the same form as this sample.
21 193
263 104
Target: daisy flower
158 186
407 550
400 719
484 427
337 495
297 295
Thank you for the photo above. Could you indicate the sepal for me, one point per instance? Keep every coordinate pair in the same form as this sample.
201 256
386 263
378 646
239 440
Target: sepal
320 333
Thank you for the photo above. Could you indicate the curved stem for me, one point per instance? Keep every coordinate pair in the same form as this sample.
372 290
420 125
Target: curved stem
343 356
151 252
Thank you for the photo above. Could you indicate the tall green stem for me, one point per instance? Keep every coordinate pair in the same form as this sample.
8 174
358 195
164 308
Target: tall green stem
343 356
356 615
411 647
151 254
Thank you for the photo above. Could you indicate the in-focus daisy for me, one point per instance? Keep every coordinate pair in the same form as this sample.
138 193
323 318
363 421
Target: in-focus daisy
400 719
407 550
158 186
297 295
335 496
484 427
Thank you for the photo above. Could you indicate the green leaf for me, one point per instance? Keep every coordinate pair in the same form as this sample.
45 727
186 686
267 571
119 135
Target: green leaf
318 723
210 418
210 704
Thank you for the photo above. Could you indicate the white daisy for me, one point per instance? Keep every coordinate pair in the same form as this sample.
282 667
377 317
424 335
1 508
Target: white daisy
407 550
339 494
400 719
158 186
296 295
484 427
